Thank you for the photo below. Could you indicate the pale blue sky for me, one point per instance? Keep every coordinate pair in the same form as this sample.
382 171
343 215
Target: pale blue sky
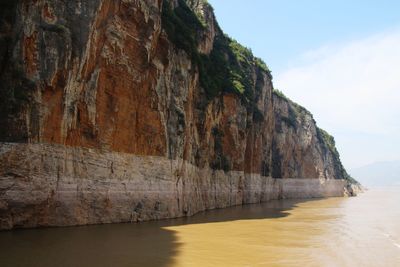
280 30
338 58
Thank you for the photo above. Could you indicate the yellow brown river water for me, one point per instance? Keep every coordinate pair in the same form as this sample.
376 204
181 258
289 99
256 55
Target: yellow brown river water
362 231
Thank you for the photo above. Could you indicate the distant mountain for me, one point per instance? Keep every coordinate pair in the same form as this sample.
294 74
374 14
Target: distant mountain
378 174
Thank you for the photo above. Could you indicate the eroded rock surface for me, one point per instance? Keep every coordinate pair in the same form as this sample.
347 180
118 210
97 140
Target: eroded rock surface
143 109
54 185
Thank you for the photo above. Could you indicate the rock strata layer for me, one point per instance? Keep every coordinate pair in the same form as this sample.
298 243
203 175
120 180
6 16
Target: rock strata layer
132 110
53 185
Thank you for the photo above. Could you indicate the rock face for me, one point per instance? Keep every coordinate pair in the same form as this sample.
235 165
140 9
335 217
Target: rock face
300 148
54 185
132 110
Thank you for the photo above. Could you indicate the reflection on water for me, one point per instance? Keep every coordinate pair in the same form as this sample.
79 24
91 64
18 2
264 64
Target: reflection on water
362 231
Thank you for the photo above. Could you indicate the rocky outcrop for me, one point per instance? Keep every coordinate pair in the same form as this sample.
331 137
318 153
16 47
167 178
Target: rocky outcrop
143 109
300 148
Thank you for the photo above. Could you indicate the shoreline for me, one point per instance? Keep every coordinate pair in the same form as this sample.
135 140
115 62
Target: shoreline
44 185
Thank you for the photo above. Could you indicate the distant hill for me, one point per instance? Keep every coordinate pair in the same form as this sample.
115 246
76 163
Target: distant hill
378 174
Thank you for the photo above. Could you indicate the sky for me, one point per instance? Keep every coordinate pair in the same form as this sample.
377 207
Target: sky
340 59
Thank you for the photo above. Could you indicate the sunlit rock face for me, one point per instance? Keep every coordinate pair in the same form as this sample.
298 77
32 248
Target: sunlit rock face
107 115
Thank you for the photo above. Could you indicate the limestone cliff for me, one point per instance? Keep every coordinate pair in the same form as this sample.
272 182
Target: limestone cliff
143 109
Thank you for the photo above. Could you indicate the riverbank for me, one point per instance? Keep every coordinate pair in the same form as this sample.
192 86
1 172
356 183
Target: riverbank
52 185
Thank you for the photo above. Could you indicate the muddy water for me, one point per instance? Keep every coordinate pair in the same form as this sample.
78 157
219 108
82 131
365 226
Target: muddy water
362 231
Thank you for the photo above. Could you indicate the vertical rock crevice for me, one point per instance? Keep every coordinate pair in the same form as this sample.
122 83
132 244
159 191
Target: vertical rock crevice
151 99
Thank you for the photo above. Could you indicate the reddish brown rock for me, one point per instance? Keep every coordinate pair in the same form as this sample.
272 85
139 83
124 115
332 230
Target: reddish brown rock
109 77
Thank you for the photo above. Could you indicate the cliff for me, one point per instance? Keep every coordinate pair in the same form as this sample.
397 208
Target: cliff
143 109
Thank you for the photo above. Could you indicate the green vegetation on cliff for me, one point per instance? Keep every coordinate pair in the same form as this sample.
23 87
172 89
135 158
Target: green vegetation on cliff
294 110
227 68
231 68
327 139
182 26
280 94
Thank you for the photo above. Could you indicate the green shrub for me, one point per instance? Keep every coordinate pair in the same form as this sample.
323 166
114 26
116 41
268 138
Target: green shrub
182 27
229 66
279 94
327 139
261 64
238 86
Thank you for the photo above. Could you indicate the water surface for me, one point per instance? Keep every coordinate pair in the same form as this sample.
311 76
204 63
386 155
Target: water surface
362 231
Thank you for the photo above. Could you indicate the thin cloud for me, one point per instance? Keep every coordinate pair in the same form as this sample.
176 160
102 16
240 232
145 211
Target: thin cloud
353 89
